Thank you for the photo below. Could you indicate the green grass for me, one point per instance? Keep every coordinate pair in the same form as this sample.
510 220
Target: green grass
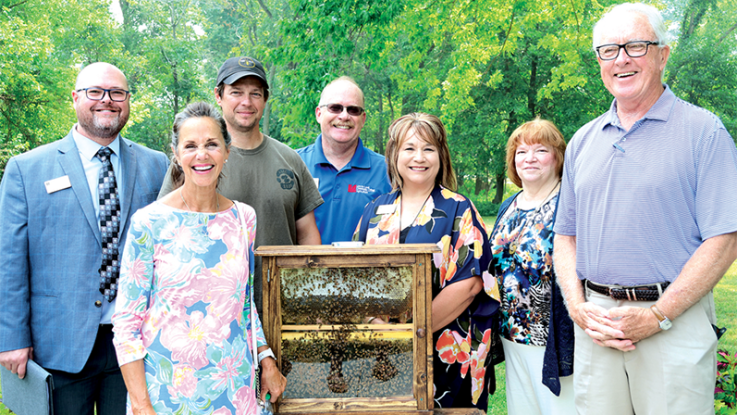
498 401
3 409
724 296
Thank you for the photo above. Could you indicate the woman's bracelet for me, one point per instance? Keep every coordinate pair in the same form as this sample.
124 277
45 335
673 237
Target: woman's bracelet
266 353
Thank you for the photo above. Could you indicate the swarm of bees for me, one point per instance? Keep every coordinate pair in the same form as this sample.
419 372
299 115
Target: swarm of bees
383 370
340 360
326 367
344 295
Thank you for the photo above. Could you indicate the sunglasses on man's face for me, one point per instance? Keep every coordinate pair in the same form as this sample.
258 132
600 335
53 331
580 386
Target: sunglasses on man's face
337 109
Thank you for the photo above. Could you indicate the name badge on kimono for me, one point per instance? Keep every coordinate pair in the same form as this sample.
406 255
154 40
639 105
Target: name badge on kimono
386 209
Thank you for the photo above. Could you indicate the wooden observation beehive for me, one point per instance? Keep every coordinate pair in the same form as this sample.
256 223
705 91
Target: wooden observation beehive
316 305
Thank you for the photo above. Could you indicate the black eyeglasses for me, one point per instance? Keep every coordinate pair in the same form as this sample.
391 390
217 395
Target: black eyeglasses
634 49
337 109
97 94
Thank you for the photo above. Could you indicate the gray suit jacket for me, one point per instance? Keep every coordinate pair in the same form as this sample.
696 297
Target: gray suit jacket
50 249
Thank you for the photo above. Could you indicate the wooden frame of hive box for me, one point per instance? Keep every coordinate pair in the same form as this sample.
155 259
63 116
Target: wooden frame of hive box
414 257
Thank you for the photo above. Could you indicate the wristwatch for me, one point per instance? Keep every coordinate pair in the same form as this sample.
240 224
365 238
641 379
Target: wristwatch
266 353
663 321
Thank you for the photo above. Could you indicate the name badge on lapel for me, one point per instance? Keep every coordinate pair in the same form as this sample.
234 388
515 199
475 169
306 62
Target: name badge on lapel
385 209
60 183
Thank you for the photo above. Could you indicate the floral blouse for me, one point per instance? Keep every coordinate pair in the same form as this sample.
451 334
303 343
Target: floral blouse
461 348
522 246
182 307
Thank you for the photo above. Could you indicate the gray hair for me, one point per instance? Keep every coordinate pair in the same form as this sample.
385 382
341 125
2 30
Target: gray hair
651 13
194 110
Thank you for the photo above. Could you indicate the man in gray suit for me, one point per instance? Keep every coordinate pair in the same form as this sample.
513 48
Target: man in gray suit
58 247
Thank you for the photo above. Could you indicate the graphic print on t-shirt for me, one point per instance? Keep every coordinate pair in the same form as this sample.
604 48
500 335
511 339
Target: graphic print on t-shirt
285 178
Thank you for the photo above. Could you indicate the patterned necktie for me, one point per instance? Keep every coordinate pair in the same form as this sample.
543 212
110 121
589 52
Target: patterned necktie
109 225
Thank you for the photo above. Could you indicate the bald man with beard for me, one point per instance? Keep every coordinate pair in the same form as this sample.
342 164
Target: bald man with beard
59 248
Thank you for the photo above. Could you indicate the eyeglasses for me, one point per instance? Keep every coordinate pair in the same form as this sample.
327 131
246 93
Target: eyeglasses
634 49
337 109
97 94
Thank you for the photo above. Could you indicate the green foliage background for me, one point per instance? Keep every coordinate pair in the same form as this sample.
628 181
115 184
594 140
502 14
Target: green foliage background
483 66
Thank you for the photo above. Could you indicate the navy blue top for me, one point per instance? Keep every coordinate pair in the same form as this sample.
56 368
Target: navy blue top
558 359
463 348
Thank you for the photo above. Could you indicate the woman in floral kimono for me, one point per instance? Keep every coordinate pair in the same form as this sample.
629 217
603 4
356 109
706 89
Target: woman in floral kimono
183 319
423 207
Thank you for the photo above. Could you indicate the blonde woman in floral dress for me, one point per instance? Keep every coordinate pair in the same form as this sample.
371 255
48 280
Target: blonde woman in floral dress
424 208
183 323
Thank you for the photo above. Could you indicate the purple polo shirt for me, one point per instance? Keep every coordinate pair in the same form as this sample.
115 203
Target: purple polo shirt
640 202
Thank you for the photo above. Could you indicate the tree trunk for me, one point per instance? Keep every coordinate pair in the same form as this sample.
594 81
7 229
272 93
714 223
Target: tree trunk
692 17
482 183
175 76
500 179
532 90
267 110
379 136
391 105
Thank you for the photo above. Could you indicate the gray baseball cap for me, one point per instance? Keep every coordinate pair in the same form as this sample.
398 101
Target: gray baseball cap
236 68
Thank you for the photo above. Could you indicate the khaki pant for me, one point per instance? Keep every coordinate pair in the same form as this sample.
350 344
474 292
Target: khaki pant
671 372
526 394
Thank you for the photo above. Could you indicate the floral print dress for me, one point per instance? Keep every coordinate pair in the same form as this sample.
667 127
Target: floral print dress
461 354
182 307
522 247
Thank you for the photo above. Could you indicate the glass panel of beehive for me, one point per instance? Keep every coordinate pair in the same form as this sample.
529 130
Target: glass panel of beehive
347 363
346 295
325 351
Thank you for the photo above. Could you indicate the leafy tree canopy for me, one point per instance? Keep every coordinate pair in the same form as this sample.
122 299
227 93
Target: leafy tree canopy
483 66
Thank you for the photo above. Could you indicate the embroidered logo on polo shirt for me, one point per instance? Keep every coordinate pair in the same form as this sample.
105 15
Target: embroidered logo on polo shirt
357 188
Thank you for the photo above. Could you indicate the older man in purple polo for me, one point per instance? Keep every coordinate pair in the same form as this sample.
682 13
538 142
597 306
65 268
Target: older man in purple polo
646 227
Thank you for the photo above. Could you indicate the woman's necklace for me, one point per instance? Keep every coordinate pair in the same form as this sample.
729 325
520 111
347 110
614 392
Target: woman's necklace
217 201
401 202
514 244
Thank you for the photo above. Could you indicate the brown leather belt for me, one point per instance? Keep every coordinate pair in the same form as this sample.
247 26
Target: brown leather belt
651 292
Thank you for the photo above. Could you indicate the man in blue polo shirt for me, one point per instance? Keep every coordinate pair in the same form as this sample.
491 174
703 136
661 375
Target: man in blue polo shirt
645 229
347 174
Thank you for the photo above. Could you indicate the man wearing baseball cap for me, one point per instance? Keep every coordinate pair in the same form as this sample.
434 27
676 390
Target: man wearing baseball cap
261 171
